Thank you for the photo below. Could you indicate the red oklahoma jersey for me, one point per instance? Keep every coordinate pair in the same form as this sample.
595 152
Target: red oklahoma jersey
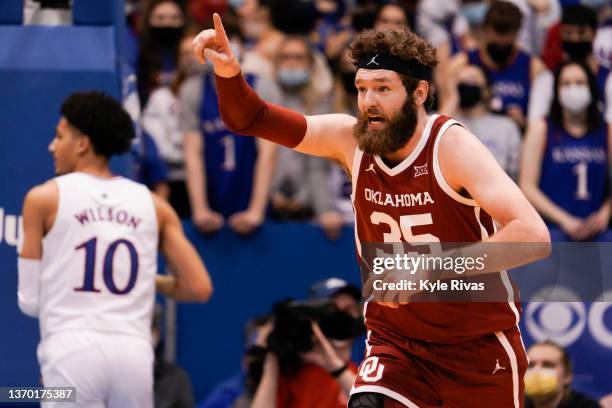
412 202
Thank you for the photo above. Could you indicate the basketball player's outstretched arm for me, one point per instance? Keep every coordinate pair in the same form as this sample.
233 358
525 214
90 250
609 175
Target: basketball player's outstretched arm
245 113
189 281
468 165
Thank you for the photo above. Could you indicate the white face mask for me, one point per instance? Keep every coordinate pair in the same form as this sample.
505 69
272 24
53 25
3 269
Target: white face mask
575 98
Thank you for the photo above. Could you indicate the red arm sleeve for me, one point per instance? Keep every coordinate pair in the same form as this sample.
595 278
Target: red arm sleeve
244 112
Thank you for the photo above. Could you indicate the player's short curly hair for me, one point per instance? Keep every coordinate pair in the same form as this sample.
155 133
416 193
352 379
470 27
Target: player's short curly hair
102 119
402 43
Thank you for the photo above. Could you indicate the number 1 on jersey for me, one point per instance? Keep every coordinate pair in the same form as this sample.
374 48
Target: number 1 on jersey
229 160
582 191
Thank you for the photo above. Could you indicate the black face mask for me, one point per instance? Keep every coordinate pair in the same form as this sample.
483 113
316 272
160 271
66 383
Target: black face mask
348 82
469 95
166 36
577 51
500 54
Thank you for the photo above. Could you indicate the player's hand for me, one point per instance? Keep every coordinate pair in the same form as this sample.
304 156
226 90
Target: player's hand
574 227
165 284
516 114
207 221
331 222
596 222
213 45
386 297
246 222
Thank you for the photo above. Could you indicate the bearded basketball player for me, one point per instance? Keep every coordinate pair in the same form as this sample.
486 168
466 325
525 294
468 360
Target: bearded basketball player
417 354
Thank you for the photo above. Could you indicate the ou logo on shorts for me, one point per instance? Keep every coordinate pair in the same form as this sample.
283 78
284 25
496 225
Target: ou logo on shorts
371 370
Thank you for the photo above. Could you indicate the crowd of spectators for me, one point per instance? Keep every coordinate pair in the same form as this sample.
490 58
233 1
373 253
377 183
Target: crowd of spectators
508 70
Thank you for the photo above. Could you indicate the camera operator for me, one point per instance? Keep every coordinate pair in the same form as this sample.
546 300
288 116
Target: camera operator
308 360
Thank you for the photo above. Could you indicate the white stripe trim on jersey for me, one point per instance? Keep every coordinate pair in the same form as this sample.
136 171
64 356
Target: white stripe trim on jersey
357 156
503 274
513 366
506 281
438 171
484 234
384 391
412 156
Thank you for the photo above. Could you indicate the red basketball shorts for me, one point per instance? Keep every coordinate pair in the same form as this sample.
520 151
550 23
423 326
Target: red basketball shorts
485 372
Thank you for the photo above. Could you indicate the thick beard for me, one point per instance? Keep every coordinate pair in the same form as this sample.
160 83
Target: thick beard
396 133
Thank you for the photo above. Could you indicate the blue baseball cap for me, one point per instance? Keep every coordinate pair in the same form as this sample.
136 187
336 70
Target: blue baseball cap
327 288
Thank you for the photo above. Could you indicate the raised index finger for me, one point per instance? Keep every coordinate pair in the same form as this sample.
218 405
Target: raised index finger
220 35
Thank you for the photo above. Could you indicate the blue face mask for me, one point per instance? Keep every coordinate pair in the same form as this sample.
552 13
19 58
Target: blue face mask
235 3
475 13
293 78
594 4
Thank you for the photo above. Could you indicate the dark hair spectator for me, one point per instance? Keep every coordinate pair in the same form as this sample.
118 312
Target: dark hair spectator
503 17
564 169
513 73
579 15
162 29
593 118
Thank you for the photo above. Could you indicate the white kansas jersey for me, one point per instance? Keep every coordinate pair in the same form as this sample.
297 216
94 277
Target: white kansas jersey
99 258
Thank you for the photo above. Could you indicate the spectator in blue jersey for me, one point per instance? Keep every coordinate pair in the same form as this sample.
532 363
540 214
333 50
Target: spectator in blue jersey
470 106
564 171
162 30
576 36
228 176
300 188
510 70
443 21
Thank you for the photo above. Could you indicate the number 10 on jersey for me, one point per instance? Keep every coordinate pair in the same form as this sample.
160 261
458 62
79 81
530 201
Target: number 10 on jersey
90 248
